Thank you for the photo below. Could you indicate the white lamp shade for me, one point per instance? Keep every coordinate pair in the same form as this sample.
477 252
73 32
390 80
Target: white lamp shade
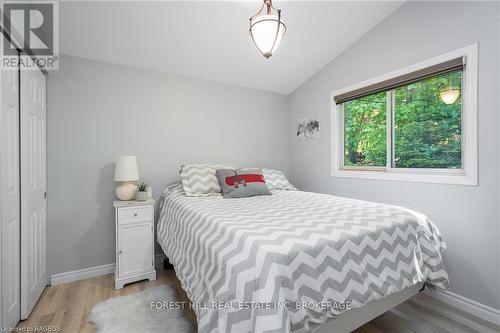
126 169
449 95
263 29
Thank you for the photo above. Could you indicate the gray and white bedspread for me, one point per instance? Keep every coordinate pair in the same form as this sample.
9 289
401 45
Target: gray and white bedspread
288 262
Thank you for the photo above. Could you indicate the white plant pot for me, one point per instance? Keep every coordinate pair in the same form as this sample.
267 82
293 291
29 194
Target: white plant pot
141 196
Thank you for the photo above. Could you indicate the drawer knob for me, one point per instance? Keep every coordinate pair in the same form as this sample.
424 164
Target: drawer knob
120 252
135 214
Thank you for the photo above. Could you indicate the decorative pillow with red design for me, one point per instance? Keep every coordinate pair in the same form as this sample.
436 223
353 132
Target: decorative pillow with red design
242 183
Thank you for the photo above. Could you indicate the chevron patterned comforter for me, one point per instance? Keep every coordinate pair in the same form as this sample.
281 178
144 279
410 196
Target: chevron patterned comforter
290 261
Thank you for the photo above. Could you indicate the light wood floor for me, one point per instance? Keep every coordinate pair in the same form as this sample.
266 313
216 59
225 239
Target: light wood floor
68 305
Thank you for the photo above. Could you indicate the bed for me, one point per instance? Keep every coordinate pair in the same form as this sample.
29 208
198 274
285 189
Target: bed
296 261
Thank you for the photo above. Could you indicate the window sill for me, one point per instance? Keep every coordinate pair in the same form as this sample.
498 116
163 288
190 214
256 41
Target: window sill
437 177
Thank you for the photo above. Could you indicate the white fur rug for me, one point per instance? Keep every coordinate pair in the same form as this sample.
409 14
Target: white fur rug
133 313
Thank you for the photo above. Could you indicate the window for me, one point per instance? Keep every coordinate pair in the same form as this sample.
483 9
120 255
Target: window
415 124
427 131
365 128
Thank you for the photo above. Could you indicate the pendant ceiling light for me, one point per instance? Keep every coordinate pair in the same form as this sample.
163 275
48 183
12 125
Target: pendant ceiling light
449 95
267 28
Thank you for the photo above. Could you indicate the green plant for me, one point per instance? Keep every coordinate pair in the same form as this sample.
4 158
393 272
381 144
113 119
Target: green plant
143 186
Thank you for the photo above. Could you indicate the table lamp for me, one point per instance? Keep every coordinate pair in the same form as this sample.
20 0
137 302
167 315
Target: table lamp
127 173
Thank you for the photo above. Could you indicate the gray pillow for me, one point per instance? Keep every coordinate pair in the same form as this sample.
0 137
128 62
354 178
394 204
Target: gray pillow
242 183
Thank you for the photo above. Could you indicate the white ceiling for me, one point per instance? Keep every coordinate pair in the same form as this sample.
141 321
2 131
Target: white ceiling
210 40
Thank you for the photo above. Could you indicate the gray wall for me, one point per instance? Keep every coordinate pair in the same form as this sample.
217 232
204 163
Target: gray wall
98 111
468 217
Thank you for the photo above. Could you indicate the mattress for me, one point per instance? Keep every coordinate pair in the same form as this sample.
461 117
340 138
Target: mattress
290 261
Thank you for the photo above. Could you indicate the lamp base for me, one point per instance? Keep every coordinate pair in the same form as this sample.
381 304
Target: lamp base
126 191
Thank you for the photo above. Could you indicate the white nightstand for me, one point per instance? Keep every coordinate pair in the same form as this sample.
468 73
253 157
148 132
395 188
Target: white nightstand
134 241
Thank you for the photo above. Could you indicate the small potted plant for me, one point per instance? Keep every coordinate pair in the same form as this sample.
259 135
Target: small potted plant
142 193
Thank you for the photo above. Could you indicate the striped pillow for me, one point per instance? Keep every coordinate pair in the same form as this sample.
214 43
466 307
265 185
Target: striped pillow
276 180
199 180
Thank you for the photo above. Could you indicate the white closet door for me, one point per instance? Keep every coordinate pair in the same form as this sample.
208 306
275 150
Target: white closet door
10 198
33 189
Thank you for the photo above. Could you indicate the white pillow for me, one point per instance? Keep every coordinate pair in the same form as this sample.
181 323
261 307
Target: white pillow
199 180
276 180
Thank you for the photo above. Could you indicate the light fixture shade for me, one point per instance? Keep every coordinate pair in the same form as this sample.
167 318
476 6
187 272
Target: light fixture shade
126 169
267 28
449 95
267 32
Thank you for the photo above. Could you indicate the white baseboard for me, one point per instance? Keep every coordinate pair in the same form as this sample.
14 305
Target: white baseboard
91 272
474 308
81 274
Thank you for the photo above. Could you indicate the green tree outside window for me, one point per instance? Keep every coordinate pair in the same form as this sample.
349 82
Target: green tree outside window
426 132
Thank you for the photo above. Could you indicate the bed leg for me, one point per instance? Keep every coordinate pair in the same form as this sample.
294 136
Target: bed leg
167 265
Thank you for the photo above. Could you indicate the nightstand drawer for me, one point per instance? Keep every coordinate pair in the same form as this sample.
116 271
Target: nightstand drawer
133 214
